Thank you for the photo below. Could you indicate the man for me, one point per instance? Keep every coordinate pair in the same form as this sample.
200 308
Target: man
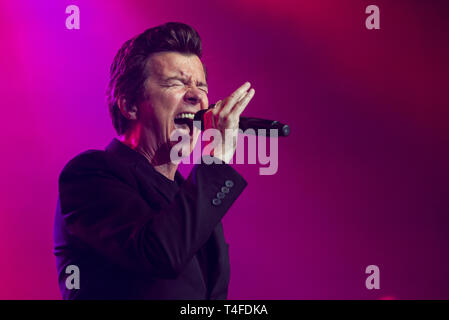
126 219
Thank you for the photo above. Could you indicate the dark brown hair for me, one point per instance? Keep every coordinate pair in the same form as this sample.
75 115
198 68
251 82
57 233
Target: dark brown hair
128 72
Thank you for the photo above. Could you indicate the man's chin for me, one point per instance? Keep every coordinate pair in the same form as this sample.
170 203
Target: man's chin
181 131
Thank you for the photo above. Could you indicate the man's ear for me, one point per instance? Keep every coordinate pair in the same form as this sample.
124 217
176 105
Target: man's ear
129 112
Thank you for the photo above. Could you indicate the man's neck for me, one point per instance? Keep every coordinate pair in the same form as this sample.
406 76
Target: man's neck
151 153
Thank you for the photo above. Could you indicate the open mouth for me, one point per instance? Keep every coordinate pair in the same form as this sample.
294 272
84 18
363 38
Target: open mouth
184 120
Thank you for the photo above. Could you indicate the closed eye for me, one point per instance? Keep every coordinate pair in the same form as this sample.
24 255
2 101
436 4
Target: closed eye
172 83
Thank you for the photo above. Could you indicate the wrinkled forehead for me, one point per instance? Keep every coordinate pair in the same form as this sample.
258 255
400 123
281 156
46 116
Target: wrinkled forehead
169 64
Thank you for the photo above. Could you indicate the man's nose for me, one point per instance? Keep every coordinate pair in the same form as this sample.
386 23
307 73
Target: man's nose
193 96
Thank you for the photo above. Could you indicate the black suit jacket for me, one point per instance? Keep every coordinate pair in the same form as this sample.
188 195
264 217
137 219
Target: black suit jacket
134 234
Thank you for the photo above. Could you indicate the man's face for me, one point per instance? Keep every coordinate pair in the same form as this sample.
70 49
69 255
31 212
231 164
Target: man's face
176 86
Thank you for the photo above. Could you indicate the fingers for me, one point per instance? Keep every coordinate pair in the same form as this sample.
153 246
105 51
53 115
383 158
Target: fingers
241 105
227 111
225 115
216 109
235 97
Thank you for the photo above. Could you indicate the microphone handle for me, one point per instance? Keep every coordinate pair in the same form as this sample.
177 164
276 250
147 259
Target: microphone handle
245 123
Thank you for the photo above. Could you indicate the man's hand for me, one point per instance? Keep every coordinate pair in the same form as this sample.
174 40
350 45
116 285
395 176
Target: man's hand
225 117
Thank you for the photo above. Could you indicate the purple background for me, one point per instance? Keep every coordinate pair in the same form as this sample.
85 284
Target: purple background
363 178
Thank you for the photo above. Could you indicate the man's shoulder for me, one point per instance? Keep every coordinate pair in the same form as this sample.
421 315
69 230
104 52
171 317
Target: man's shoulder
85 161
99 163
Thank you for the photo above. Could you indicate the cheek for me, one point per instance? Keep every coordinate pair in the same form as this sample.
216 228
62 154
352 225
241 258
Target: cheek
169 102
163 106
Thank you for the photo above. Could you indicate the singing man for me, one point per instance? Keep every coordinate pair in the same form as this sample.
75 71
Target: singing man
126 219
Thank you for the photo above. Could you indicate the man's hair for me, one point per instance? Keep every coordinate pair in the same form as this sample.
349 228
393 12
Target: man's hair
128 72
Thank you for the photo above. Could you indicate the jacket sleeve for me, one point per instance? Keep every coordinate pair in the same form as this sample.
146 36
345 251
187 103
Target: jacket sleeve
104 212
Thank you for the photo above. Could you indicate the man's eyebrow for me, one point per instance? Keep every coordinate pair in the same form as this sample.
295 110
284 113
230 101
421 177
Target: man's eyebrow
198 83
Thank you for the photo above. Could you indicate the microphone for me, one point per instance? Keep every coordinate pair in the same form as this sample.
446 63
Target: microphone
283 130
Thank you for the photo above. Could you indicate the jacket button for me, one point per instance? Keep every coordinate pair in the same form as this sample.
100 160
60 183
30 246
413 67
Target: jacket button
225 189
216 202
220 195
229 183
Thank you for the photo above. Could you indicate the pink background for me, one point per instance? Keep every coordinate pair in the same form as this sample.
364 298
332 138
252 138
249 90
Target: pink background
363 178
